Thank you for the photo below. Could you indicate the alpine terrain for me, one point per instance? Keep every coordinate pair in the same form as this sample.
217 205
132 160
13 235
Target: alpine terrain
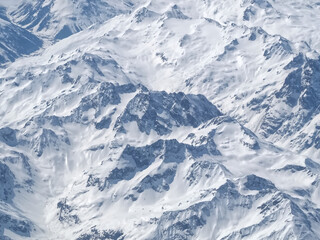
159 119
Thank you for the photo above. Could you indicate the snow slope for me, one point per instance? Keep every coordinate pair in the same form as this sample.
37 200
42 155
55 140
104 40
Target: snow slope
15 41
59 19
162 120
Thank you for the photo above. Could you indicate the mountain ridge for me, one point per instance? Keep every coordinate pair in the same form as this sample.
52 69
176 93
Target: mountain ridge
160 120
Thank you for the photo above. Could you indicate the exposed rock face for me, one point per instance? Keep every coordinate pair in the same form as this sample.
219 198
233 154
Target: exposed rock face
159 120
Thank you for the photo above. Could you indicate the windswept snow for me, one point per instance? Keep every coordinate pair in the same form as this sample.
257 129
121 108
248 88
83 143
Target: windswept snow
159 119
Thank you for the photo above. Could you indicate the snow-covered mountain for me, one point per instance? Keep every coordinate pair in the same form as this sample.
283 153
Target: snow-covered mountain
60 19
14 40
159 119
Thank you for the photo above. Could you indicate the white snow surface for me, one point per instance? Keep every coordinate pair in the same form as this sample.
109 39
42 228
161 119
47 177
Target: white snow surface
101 138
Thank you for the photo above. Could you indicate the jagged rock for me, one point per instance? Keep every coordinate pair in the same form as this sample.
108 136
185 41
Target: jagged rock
159 181
66 213
8 136
20 227
46 139
96 234
160 111
257 183
7 183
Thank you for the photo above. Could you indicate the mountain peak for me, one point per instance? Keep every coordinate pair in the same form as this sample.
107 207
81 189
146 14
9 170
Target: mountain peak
159 119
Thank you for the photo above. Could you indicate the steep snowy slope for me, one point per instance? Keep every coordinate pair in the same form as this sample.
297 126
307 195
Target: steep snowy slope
106 132
237 65
60 19
15 41
120 161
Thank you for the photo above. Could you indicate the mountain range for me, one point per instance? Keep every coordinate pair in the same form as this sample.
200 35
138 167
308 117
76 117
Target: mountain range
159 119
